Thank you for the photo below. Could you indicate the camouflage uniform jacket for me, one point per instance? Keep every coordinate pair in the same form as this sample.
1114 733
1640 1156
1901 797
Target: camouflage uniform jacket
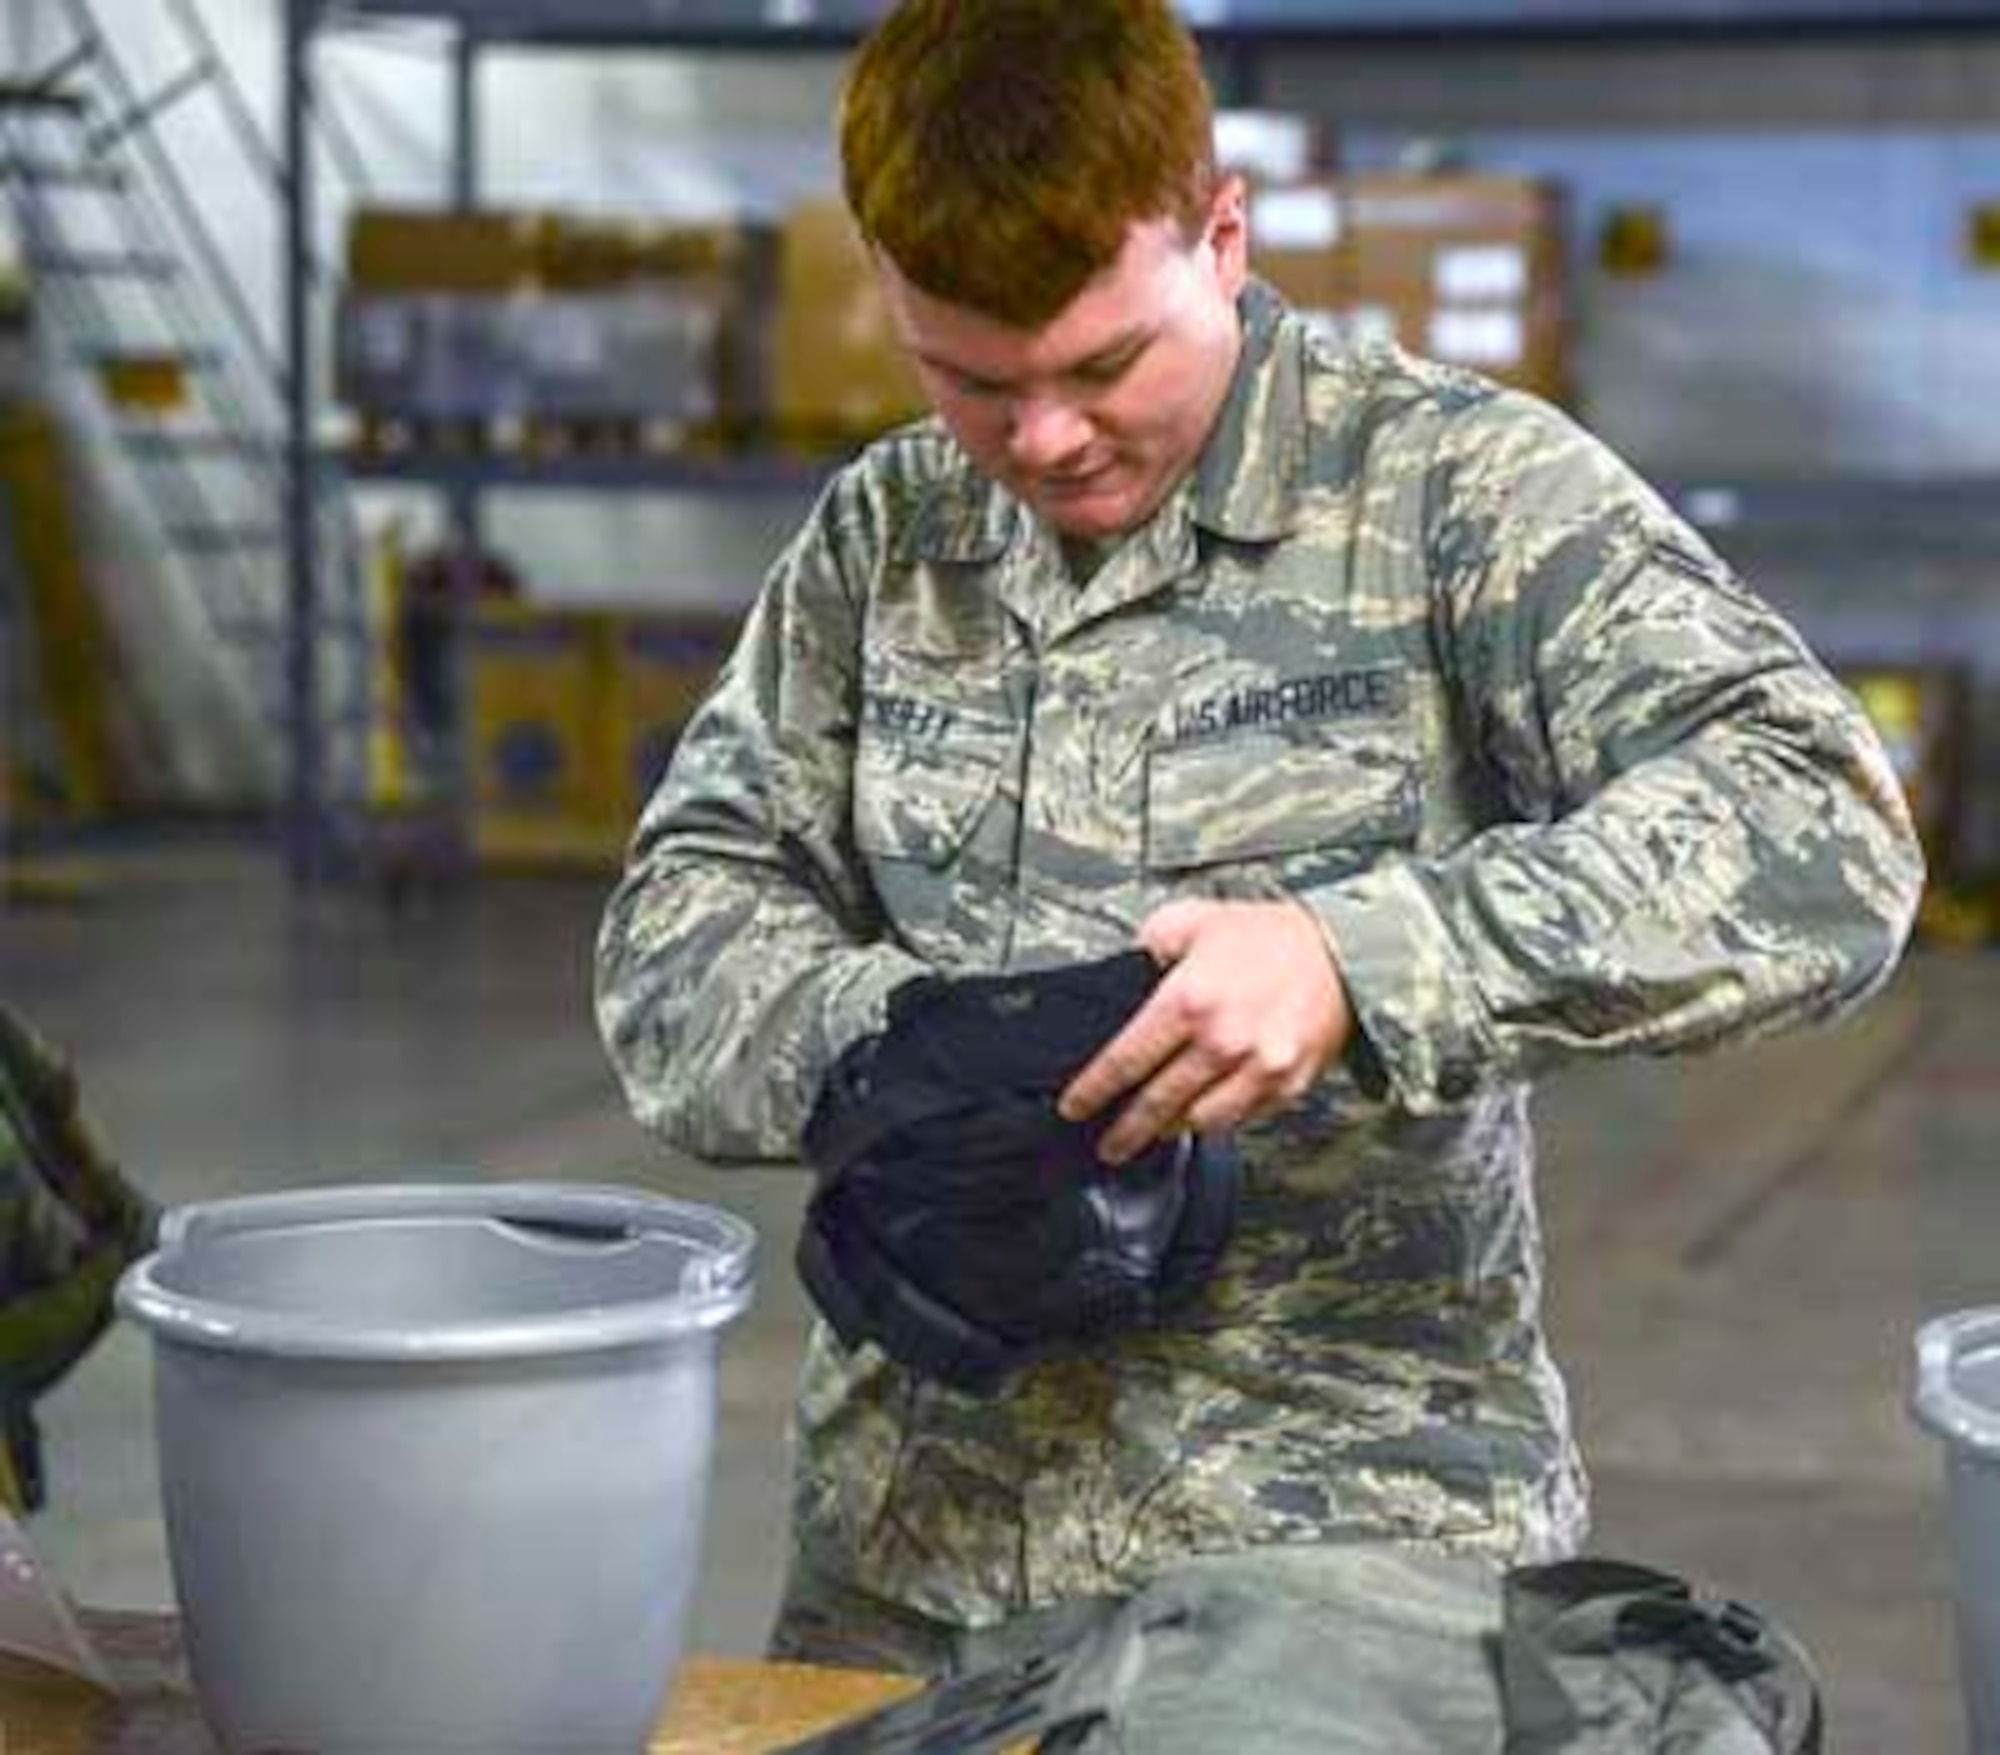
1410 648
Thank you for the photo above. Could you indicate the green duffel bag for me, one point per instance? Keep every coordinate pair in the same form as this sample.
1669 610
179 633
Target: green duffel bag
70 1223
1370 1650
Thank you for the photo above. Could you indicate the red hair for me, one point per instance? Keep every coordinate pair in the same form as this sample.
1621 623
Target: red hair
999 151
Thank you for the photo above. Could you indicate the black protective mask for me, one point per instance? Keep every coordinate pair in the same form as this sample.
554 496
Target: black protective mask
960 1223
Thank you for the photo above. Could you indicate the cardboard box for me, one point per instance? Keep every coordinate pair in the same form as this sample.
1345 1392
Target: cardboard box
552 318
423 355
1299 243
1463 268
540 738
1472 268
639 353
650 354
489 250
720 278
837 369
588 252
428 250
1269 146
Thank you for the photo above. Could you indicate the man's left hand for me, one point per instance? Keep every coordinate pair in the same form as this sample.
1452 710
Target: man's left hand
1249 1013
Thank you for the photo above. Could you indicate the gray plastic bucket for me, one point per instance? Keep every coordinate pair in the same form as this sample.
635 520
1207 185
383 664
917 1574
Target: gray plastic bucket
435 1460
1958 1397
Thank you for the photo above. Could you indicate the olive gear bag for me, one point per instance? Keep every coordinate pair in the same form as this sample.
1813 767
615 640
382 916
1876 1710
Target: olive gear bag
1369 1649
70 1223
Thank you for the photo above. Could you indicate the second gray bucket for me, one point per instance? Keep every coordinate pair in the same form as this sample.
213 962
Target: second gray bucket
435 1459
1957 1397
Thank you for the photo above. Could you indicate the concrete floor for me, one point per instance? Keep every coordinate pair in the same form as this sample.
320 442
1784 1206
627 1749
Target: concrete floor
1742 1246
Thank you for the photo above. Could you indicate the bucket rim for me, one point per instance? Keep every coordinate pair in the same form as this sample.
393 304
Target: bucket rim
716 1286
1936 1402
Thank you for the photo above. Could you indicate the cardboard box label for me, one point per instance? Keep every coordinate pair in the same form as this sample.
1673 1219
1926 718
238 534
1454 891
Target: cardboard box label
1469 273
1478 338
1296 219
1269 146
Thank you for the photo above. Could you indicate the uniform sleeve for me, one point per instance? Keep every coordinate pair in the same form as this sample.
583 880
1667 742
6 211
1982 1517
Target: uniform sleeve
742 949
1707 839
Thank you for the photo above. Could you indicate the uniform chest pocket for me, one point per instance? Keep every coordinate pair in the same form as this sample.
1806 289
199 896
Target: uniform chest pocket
918 796
1313 799
932 740
927 781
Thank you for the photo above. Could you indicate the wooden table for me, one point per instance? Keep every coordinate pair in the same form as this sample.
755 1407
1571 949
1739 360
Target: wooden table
720 1706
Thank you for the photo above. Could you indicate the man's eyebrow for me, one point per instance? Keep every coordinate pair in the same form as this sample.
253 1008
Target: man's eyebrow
1114 351
938 363
1119 348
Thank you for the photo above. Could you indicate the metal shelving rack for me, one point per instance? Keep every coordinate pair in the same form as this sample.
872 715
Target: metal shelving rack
1237 34
830 24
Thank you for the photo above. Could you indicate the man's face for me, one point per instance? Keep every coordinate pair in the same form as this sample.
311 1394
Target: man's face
1093 418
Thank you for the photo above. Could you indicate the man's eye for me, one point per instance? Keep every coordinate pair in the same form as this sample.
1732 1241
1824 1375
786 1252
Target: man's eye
974 386
1099 373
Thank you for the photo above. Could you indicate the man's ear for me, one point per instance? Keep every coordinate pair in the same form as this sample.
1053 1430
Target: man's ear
1229 232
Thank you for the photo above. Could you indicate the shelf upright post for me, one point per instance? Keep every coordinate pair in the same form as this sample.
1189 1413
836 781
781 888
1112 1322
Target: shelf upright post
1237 71
464 524
464 149
306 779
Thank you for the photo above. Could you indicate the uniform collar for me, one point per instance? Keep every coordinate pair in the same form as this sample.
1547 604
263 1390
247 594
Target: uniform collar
965 518
1247 484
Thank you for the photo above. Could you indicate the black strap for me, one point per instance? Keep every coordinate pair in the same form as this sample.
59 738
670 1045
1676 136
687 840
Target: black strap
1548 1614
1732 1639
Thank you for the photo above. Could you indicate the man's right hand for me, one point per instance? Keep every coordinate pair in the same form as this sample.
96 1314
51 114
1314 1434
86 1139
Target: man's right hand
1250 1012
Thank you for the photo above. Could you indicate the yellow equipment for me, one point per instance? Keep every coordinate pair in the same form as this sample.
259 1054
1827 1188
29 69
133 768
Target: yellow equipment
71 659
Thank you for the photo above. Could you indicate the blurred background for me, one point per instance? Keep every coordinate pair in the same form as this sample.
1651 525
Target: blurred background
400 402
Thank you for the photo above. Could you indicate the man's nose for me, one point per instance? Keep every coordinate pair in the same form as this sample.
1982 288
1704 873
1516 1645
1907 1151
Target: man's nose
1046 431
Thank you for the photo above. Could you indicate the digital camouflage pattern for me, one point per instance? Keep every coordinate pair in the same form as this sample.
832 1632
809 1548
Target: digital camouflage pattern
1408 647
70 1223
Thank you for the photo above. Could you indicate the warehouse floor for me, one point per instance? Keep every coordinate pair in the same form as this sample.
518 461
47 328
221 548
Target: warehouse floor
1742 1247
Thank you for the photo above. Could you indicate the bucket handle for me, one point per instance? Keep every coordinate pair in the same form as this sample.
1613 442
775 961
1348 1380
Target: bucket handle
1936 1401
566 1236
